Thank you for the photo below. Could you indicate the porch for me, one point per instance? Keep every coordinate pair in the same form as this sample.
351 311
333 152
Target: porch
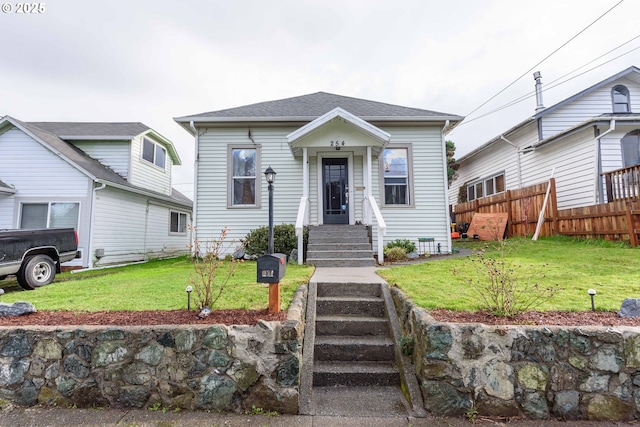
622 184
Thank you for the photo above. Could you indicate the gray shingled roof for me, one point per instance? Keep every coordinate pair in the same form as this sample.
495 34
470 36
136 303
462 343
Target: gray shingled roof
309 107
71 130
90 165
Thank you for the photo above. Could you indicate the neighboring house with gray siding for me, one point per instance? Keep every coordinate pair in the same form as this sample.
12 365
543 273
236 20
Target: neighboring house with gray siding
338 160
591 140
109 181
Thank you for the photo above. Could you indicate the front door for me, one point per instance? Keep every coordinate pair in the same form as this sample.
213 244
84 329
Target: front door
335 179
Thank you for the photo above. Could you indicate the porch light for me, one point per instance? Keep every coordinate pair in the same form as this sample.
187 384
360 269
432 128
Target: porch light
270 174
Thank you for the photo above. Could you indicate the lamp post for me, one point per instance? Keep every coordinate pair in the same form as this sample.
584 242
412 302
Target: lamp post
592 293
270 175
188 289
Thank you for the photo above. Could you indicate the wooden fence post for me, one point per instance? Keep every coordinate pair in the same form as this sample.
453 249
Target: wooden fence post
554 207
633 237
509 215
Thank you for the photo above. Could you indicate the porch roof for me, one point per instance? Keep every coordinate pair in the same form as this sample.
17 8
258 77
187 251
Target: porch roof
378 137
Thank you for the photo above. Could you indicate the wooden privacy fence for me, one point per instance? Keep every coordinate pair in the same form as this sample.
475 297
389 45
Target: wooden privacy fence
619 220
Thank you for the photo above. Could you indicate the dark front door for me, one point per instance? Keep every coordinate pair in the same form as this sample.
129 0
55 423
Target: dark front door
335 179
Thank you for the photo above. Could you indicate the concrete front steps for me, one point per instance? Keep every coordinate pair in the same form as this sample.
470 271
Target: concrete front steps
339 246
351 365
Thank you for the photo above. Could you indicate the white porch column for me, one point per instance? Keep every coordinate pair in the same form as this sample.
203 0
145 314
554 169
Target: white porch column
305 172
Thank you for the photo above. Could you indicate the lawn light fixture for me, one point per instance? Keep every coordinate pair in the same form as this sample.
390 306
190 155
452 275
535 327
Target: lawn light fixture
592 293
270 175
189 289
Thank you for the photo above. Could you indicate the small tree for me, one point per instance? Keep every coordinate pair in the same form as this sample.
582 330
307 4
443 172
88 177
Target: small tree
210 281
452 165
500 289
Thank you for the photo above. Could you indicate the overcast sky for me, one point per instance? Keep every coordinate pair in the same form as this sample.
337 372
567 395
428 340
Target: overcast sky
151 61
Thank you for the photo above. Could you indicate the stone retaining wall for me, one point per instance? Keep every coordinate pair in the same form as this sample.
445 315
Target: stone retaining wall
226 368
537 372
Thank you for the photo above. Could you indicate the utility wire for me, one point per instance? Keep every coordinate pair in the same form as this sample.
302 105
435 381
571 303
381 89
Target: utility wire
551 84
545 58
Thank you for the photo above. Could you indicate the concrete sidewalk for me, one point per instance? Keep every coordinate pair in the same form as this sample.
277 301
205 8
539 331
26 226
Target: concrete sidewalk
56 417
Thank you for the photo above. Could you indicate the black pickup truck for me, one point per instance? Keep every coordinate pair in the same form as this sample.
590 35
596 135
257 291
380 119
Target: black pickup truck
35 256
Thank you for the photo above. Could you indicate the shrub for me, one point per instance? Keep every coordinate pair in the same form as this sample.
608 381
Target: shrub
284 240
395 254
208 285
499 288
405 244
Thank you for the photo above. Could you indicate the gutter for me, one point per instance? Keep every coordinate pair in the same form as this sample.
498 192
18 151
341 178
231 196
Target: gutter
518 166
598 193
92 221
196 162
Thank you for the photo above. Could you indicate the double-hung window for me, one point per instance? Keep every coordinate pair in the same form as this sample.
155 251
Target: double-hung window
244 183
178 222
153 153
396 172
49 215
620 98
486 187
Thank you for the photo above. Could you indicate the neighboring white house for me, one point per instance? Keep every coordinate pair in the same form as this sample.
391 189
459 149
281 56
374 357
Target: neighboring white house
109 181
337 159
592 132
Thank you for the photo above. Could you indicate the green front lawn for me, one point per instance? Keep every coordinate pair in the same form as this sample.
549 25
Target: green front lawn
155 285
612 269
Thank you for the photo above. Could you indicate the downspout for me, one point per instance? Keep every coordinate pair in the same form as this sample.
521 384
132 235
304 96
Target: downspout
195 188
146 230
517 160
92 221
445 187
598 193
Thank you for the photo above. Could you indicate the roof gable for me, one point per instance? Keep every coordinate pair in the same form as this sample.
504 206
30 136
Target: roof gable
311 106
338 113
632 72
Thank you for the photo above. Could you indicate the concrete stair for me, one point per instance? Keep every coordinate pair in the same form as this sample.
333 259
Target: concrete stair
339 246
351 364
353 345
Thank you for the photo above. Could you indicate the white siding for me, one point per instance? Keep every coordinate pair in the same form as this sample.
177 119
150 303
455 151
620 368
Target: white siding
212 212
147 175
127 231
428 216
574 161
113 154
39 177
590 105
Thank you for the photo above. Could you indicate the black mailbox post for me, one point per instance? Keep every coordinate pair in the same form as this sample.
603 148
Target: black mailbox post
271 268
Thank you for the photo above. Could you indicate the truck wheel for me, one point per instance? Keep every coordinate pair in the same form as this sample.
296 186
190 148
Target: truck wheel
36 271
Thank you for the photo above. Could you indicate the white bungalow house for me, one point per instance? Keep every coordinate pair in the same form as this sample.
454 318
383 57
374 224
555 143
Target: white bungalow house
338 160
109 181
590 139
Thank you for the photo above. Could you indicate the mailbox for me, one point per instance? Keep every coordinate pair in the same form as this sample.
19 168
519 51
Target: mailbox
271 268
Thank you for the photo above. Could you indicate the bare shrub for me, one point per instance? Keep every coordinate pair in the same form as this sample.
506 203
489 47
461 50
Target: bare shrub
209 282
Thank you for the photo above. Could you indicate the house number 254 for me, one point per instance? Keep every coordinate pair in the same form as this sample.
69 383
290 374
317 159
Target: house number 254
337 143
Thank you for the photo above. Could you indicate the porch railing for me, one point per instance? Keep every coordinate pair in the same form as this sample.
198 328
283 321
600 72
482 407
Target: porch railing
301 221
370 206
622 184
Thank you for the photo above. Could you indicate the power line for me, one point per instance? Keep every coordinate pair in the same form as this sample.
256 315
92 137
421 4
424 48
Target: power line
545 58
551 84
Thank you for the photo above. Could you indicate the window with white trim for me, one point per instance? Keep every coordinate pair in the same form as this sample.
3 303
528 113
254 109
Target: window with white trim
631 148
178 222
396 172
620 99
485 187
153 153
244 184
49 215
